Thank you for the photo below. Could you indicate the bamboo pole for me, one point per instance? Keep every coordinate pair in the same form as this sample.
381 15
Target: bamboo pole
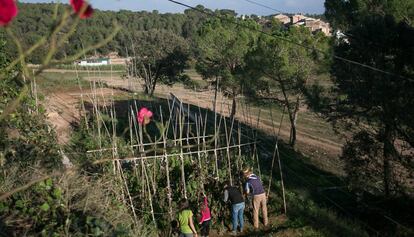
150 197
176 117
255 153
228 152
188 127
153 143
172 155
199 154
167 168
240 152
132 129
146 177
35 92
128 193
215 137
114 137
181 151
271 167
204 132
139 141
82 100
154 171
204 124
276 152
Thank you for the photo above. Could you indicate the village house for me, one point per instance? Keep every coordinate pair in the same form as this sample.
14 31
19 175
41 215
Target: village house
314 25
297 18
110 59
282 18
94 62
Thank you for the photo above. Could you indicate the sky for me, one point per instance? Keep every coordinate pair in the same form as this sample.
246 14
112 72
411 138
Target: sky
240 6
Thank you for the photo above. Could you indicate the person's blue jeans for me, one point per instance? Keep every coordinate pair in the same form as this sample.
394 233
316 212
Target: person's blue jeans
237 215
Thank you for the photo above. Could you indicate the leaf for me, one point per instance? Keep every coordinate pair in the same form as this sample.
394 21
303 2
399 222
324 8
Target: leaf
3 207
49 182
45 207
89 220
57 193
20 204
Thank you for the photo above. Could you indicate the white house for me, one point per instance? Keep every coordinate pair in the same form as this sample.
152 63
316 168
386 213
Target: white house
94 62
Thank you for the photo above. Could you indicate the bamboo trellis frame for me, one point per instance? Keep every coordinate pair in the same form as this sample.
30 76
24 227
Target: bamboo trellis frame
190 138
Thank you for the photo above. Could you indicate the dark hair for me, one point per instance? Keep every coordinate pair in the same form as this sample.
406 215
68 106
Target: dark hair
183 204
226 184
174 224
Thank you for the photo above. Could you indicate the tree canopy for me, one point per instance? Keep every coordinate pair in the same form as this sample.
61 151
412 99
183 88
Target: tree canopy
379 34
280 71
222 49
34 21
158 55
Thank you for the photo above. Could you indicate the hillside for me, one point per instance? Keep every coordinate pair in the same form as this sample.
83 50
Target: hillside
316 129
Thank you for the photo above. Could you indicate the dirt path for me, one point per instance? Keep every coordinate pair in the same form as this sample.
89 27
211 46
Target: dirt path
63 109
61 112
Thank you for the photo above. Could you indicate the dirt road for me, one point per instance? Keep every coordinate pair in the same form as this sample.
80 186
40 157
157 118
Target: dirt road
63 109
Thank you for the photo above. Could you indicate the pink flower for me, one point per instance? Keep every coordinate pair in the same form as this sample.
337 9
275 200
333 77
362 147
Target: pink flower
8 11
144 116
82 8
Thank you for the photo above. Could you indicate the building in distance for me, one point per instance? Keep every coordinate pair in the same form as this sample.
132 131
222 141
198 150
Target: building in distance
110 59
297 20
282 18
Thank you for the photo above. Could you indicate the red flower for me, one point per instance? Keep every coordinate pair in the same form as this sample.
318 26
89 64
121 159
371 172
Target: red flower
144 116
8 10
82 8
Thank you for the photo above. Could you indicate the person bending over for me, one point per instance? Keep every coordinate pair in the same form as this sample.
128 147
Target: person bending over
255 188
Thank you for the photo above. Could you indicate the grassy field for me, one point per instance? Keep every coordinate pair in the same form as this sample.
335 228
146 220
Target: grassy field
50 81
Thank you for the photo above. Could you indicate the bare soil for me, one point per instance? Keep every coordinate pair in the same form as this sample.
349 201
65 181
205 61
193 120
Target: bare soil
63 109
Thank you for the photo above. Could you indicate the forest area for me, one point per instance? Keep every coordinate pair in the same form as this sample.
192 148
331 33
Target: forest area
134 151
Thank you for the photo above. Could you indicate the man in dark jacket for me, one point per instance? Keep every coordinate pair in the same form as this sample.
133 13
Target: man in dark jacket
255 188
233 194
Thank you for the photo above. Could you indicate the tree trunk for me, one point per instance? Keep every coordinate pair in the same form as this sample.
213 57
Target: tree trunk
292 112
293 120
153 87
292 138
233 108
146 90
215 95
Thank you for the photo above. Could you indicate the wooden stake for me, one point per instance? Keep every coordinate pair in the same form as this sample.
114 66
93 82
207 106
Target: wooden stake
167 168
228 151
181 151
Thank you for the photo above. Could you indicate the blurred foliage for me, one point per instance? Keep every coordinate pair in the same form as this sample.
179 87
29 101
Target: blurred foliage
29 150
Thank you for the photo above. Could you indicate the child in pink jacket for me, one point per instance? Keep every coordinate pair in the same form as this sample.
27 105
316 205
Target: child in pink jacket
205 218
